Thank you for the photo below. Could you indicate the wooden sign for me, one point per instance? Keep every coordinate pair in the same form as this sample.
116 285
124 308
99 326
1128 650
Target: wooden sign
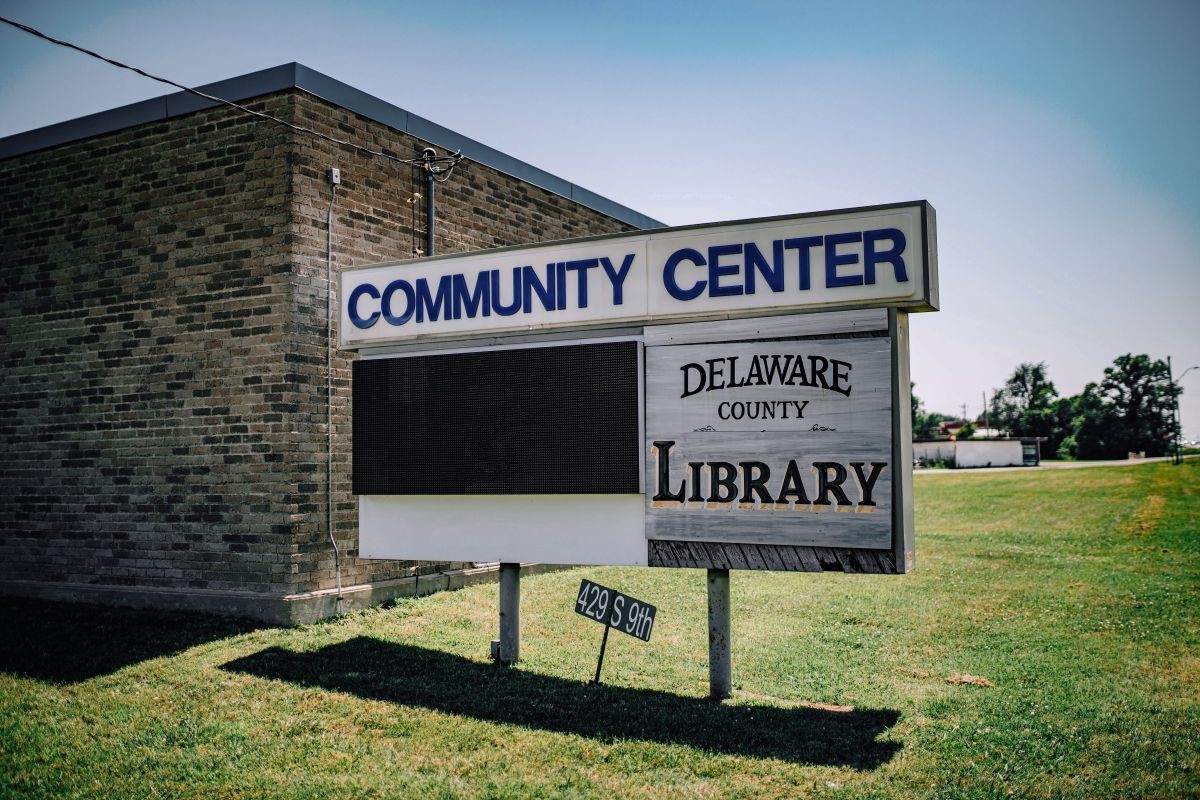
664 398
770 442
777 451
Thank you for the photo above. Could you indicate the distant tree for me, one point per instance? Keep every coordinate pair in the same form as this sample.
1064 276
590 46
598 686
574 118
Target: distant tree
924 424
1065 414
1026 406
1142 397
931 425
1129 411
1091 422
965 432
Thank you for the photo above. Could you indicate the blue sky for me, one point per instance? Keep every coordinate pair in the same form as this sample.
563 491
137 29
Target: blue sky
1057 140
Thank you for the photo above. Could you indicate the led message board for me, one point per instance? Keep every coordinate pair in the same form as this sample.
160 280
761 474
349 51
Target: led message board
544 420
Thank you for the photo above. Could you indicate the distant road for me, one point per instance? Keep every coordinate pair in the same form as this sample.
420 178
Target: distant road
1128 462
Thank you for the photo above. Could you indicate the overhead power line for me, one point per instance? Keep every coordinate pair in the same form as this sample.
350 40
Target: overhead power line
438 165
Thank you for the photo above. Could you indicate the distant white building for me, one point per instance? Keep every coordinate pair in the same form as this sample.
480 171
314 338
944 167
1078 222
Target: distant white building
970 453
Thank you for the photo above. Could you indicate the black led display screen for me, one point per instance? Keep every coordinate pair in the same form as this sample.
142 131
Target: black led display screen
545 420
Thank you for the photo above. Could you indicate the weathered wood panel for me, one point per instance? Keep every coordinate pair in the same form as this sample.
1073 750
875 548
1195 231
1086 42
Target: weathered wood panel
835 409
779 558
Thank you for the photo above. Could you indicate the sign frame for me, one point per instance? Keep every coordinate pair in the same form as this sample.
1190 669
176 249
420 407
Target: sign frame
529 527
826 275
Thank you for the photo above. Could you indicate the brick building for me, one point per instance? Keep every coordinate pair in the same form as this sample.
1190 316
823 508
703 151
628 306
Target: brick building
163 341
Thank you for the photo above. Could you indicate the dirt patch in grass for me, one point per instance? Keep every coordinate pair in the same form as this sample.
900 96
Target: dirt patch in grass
970 680
1147 517
832 707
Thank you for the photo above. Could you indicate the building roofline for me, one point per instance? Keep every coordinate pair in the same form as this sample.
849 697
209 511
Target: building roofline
298 76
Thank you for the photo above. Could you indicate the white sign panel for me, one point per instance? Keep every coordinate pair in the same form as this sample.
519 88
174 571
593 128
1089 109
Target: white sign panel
882 256
550 529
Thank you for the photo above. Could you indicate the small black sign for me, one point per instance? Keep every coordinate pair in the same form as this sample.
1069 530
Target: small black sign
615 610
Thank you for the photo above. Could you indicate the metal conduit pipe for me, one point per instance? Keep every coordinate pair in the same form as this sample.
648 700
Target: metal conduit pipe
429 154
334 179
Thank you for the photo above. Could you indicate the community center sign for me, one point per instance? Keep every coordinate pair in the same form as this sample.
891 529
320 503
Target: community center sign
875 257
731 396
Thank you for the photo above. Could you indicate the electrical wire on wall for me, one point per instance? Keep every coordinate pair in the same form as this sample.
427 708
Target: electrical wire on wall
222 101
438 168
334 180
413 202
430 156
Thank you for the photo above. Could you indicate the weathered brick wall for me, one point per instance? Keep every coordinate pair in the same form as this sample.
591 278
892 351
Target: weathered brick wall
477 208
162 336
145 309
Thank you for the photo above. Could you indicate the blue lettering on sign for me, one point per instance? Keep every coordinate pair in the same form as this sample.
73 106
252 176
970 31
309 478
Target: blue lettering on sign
512 308
717 270
476 302
386 303
532 285
804 246
433 306
581 268
772 271
560 285
617 276
833 260
892 256
725 275
851 258
358 320
672 284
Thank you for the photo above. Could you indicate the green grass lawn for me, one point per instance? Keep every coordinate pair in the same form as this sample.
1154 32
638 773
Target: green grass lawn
1047 646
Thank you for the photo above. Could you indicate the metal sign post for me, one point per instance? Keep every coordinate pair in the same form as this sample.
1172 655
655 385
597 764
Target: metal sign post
600 660
510 613
720 658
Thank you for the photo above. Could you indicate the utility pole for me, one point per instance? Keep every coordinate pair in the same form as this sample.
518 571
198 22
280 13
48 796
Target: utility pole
1175 454
1178 432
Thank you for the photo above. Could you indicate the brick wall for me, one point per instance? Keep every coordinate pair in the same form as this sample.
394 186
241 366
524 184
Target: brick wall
162 335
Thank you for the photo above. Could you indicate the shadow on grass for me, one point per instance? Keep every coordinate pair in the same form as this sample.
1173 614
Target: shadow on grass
414 676
71 642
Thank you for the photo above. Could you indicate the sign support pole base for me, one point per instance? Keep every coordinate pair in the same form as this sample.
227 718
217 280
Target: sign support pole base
510 613
720 660
600 661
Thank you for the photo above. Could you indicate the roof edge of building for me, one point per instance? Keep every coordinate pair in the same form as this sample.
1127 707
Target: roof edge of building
298 76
